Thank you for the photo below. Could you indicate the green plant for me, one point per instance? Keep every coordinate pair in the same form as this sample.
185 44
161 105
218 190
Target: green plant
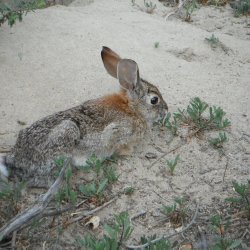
156 45
217 2
242 8
94 164
115 235
221 242
94 189
129 190
172 164
66 192
10 195
101 168
10 192
198 115
190 6
150 7
103 175
177 212
193 115
110 174
243 190
159 245
167 210
15 10
212 40
171 125
218 141
59 163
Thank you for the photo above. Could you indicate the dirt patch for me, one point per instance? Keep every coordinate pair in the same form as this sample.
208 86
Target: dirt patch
51 62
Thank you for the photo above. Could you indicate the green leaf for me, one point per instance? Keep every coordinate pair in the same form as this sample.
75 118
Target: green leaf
235 244
102 186
234 200
111 232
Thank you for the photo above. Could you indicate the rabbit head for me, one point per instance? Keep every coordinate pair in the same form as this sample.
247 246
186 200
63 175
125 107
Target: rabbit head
143 96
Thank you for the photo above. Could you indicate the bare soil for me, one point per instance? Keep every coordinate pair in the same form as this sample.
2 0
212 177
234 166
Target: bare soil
51 61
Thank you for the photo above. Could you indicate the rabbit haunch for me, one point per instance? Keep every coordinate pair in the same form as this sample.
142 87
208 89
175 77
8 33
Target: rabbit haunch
103 126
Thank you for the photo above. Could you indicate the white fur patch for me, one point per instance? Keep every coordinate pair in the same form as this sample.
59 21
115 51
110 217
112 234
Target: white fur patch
3 169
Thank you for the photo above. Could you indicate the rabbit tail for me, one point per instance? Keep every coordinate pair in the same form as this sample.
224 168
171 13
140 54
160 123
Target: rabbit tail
3 168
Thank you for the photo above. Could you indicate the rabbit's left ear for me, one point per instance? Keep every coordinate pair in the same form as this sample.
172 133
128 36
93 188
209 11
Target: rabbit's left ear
128 74
110 60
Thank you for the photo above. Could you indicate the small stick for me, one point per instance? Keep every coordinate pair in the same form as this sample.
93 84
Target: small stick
159 196
44 243
5 149
181 3
167 236
53 212
135 216
224 175
88 213
170 151
13 241
244 234
79 204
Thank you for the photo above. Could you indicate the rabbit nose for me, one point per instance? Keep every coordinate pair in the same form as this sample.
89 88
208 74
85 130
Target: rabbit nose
164 109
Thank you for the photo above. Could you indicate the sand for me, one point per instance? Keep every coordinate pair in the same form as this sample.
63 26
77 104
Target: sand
51 61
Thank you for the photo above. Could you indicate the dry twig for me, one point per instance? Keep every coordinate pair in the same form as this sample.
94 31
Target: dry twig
167 236
170 151
180 5
13 241
88 213
135 216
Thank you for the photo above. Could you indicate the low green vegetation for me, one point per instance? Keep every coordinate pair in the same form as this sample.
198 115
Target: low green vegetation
189 7
243 198
242 8
159 245
67 193
115 235
103 175
177 212
10 195
213 40
221 241
156 45
16 9
150 7
218 142
198 116
129 190
172 164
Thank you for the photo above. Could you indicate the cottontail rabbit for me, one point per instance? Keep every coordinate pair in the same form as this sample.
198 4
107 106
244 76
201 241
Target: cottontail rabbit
102 126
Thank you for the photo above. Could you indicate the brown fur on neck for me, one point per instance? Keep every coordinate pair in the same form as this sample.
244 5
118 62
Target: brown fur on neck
118 101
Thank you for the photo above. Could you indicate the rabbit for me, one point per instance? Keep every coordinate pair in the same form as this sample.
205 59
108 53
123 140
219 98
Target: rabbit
102 126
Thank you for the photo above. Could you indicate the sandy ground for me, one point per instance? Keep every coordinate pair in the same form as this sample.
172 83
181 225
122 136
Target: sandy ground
51 61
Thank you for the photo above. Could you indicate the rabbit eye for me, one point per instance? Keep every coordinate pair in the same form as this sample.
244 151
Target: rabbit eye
154 100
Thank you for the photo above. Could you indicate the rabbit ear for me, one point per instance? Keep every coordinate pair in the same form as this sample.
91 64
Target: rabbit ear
128 74
110 60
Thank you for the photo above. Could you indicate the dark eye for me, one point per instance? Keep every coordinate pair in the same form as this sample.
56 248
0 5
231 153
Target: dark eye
154 100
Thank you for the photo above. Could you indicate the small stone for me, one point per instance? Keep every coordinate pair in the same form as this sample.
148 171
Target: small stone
22 123
150 155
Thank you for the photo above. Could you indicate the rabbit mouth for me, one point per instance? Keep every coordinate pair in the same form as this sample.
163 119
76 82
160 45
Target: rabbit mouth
163 113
